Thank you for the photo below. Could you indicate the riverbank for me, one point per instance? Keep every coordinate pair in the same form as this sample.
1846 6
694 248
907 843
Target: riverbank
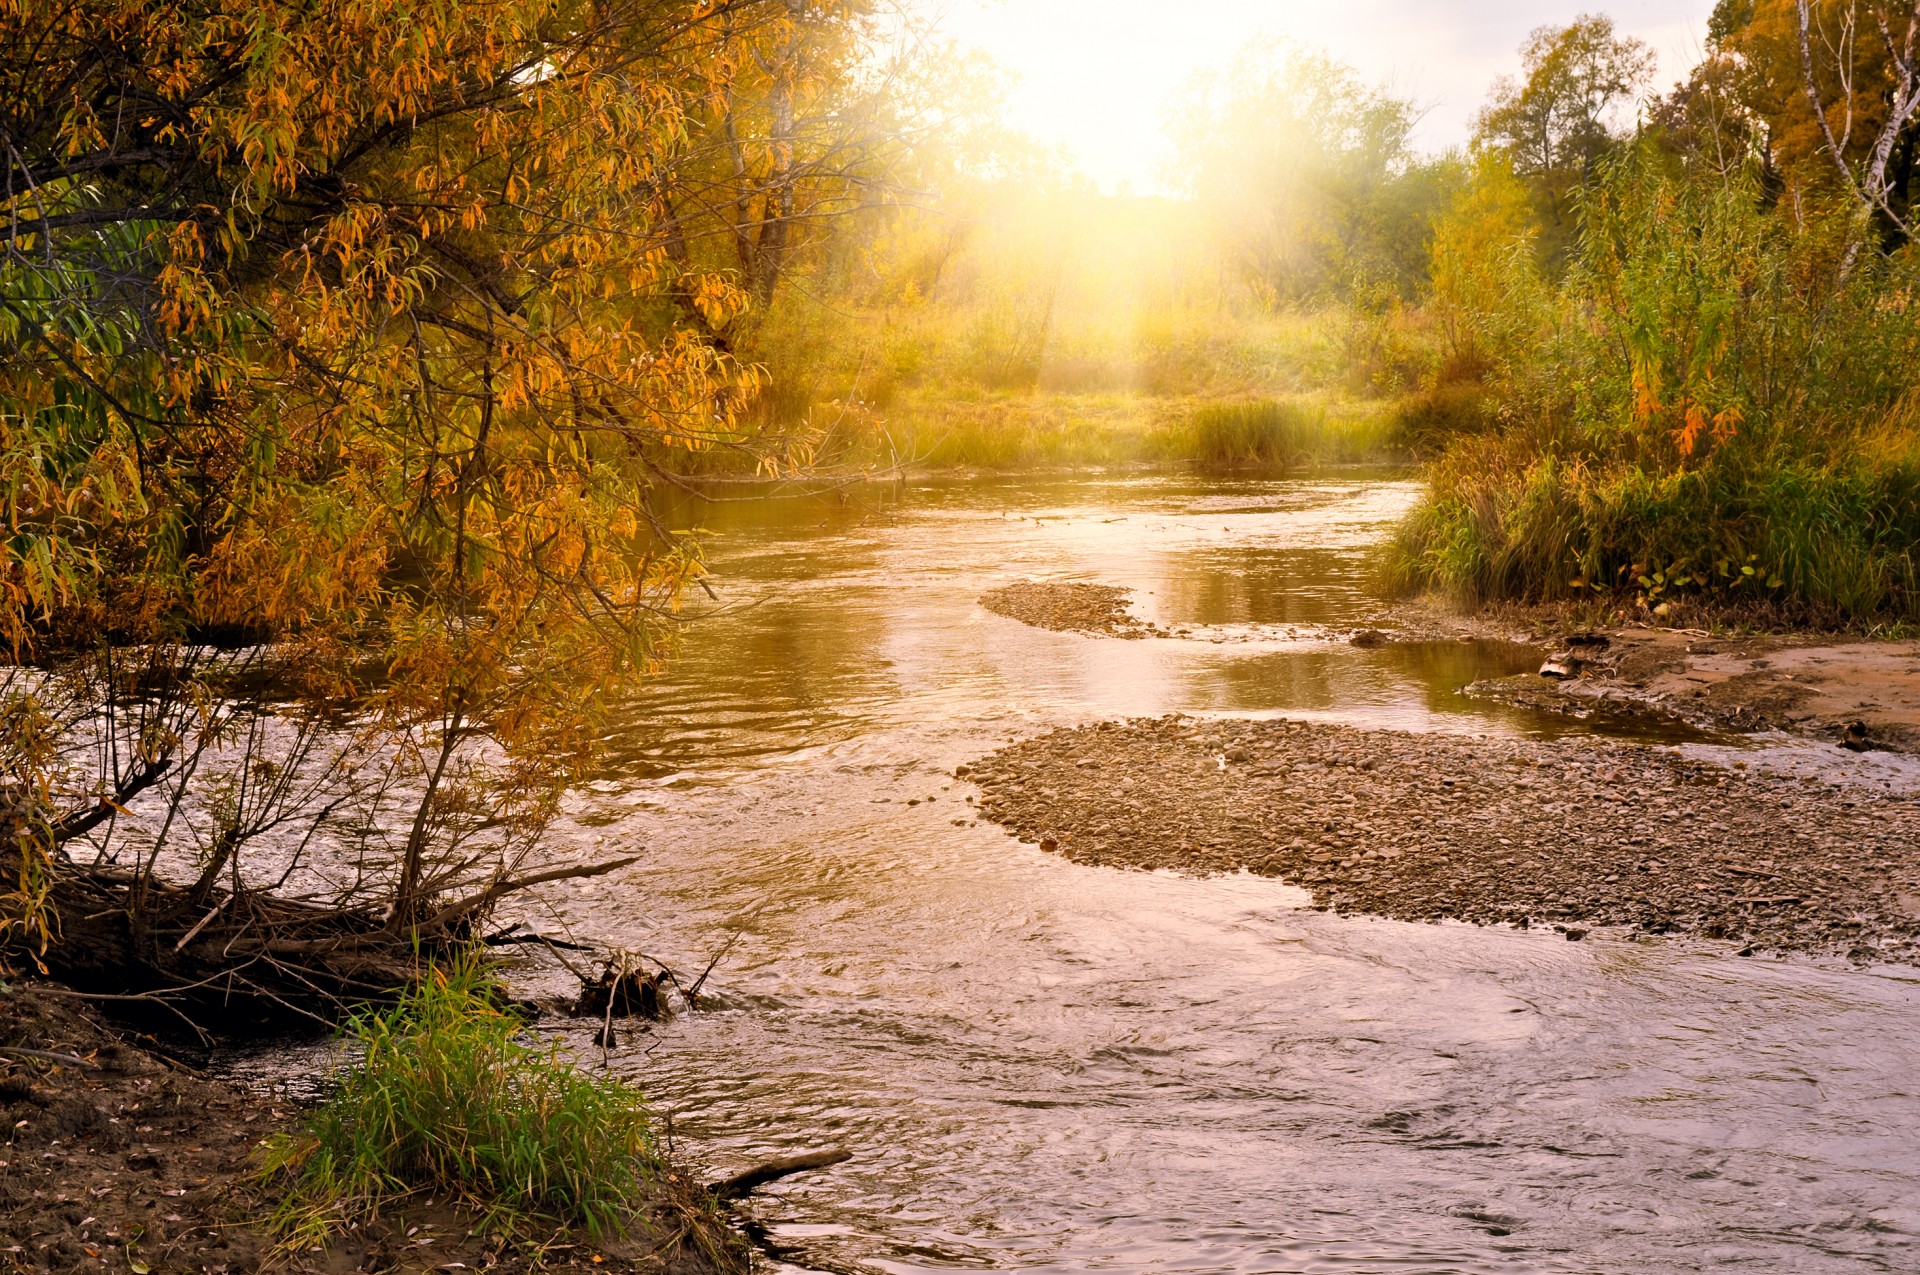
118 1159
1859 695
1566 834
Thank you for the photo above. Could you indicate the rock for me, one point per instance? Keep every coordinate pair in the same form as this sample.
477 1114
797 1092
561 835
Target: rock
1369 638
1565 664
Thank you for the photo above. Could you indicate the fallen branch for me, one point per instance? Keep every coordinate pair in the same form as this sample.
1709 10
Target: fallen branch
741 1184
513 885
509 938
44 1055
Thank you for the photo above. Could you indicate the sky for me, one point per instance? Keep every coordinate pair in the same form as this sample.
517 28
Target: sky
1095 76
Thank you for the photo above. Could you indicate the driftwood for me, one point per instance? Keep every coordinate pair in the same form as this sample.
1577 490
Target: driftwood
624 992
740 1185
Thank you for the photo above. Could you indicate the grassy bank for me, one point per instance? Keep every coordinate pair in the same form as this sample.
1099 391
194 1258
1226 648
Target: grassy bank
1009 432
113 1159
452 1102
1712 408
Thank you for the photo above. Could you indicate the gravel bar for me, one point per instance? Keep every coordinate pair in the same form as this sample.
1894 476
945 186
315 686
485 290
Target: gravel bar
1568 834
1067 606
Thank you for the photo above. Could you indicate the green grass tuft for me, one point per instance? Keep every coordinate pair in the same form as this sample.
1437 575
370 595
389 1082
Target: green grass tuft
1275 433
451 1100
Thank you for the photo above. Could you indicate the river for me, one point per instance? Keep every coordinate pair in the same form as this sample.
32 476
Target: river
1045 1067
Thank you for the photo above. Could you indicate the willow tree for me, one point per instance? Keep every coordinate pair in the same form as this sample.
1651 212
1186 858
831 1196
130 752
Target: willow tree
337 337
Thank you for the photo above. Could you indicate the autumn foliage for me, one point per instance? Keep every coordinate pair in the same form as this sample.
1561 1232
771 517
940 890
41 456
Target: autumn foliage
353 331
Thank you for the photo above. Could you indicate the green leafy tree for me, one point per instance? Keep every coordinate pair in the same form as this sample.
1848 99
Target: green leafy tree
1556 121
1307 173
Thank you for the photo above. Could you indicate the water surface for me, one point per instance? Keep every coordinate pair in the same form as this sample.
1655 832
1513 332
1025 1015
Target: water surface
1046 1067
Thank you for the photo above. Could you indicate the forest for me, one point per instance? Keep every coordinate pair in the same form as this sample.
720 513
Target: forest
387 390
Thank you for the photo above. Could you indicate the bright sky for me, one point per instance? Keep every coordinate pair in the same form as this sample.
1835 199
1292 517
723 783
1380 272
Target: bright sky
1095 76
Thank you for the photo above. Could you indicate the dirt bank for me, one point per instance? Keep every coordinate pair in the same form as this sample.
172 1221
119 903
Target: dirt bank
1857 694
1571 834
115 1160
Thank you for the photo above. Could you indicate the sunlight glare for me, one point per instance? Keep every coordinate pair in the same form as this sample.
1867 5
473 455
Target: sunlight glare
1096 77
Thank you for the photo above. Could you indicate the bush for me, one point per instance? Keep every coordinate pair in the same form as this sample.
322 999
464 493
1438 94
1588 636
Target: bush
450 1099
1714 405
1430 421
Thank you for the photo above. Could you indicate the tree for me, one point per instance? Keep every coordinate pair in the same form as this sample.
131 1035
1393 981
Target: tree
1554 124
337 351
1706 121
1838 86
1308 174
791 129
1484 266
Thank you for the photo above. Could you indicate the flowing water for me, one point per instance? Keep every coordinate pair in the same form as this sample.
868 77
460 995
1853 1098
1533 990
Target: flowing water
1046 1067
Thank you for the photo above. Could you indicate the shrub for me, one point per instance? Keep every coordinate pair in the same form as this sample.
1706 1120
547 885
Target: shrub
1714 404
1276 433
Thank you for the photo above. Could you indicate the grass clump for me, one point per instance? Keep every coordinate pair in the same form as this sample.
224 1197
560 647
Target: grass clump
1274 433
451 1100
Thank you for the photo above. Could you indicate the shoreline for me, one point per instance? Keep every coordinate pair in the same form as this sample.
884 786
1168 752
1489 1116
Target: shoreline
116 1158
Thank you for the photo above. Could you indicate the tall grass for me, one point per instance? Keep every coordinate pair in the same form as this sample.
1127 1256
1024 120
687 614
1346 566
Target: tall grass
1713 406
1015 432
450 1099
1276 433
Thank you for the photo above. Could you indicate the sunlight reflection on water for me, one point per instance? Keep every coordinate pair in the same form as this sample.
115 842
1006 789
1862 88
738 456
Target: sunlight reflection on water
1047 1067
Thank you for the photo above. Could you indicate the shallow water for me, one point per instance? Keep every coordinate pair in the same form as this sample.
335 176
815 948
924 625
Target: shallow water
1046 1067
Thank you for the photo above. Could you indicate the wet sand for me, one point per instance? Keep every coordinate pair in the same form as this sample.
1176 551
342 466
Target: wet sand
1862 694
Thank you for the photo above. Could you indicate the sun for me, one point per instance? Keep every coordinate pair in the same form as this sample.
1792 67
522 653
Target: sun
1097 77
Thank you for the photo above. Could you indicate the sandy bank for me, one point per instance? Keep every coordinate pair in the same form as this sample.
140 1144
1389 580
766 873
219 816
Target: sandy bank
1859 694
